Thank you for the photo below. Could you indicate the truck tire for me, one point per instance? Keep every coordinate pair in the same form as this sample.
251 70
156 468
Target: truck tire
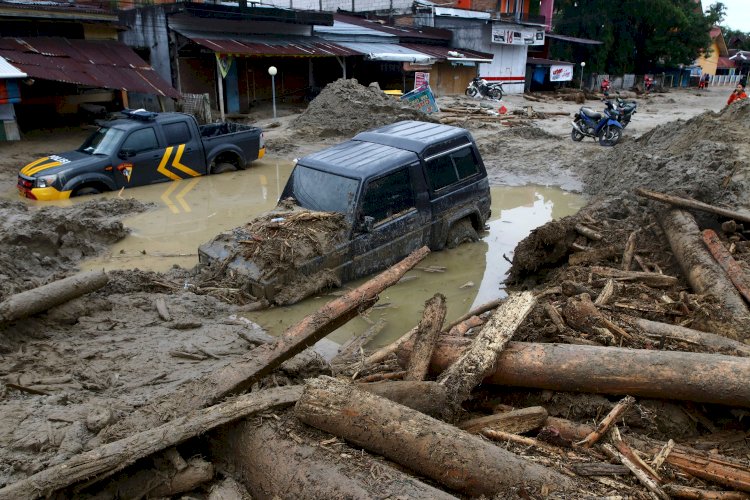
461 232
85 190
222 168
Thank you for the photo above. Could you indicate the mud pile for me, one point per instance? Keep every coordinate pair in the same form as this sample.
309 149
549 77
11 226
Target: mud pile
696 158
37 244
345 108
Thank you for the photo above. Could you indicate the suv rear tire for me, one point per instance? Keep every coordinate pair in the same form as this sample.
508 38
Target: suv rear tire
461 232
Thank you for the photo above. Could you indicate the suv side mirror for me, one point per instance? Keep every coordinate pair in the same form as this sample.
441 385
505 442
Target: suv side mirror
366 224
125 153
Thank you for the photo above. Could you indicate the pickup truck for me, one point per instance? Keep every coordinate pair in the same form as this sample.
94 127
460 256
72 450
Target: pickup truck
395 189
142 148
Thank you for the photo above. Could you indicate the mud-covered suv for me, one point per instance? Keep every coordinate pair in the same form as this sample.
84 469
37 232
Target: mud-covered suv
399 187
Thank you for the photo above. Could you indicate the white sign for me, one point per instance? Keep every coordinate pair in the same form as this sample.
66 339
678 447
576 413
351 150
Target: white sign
421 79
516 35
561 73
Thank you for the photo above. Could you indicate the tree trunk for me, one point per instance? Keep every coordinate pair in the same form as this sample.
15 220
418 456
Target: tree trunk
426 337
735 272
271 463
698 205
432 448
36 300
677 332
429 398
685 376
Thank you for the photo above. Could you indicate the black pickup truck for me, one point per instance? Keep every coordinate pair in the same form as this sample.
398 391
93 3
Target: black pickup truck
142 148
396 188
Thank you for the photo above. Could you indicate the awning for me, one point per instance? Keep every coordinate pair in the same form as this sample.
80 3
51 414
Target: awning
389 52
254 45
96 63
572 39
450 54
7 70
537 61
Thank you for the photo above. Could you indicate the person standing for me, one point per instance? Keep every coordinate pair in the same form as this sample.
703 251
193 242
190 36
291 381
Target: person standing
737 95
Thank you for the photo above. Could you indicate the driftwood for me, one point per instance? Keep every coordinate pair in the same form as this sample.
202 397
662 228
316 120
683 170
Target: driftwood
115 456
161 309
629 252
273 462
600 469
477 361
617 411
554 315
581 314
606 294
704 274
588 232
423 444
677 332
596 255
688 203
477 311
429 398
647 481
522 440
655 280
391 348
515 421
730 266
466 325
349 350
40 299
690 493
240 375
686 376
427 334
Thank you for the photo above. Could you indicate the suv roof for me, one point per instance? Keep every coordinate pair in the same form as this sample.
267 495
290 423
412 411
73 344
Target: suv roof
157 118
382 149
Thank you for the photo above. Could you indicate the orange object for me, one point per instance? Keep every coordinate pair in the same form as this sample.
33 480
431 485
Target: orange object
503 110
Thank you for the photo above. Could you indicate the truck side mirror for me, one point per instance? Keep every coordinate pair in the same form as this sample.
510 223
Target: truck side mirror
366 223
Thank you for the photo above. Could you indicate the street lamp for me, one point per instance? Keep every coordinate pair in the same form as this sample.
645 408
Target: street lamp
272 71
583 65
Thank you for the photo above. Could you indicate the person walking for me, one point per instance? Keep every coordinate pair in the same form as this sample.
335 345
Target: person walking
737 95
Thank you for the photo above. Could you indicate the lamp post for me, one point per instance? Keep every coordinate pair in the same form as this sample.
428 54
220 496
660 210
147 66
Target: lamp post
272 71
583 65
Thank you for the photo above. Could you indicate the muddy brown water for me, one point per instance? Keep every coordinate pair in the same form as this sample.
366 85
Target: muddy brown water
189 213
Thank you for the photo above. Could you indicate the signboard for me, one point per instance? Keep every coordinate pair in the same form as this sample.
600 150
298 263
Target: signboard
421 79
560 73
421 99
417 67
517 35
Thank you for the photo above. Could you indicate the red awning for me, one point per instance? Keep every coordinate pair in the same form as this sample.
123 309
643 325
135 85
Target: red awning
249 45
448 53
105 64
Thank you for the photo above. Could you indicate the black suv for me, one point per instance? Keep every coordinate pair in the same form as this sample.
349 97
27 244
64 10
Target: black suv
399 187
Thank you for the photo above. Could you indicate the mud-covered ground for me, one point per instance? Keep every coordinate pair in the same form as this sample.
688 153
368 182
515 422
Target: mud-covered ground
71 373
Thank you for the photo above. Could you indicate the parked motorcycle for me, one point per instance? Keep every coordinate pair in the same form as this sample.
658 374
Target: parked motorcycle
648 83
626 110
602 126
605 86
480 86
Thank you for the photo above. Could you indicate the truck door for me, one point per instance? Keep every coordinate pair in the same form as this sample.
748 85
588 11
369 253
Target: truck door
187 158
140 156
390 224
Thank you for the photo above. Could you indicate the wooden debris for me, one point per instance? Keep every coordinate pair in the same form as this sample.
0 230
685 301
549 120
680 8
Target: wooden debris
377 377
588 232
644 478
161 309
617 411
655 280
606 294
429 398
712 341
555 317
690 493
466 325
427 334
698 205
514 421
352 347
627 256
522 440
595 255
477 311
735 273
662 455
581 314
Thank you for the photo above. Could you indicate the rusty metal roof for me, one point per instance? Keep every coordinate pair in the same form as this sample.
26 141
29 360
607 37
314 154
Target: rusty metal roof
254 45
449 53
96 63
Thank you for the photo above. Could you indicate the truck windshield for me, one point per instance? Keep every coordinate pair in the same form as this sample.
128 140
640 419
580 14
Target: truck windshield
104 141
321 191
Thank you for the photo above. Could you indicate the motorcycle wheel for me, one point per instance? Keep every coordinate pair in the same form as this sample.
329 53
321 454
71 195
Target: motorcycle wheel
576 135
496 93
609 135
471 91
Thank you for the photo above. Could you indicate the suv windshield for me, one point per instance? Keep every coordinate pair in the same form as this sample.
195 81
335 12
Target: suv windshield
102 142
321 191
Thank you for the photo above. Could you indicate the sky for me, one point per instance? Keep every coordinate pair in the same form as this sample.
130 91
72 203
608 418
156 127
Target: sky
738 14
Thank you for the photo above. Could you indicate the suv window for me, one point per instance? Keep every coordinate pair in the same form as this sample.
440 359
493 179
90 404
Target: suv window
452 167
176 133
141 140
388 196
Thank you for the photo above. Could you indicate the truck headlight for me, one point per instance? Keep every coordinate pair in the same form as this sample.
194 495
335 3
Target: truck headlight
45 181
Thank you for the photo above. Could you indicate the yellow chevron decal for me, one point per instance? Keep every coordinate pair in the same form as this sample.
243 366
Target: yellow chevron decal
179 166
39 168
162 166
33 164
167 201
181 195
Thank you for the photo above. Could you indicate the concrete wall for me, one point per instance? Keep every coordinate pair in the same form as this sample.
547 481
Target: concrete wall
148 30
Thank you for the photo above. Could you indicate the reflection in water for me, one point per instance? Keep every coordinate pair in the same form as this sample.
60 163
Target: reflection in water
189 213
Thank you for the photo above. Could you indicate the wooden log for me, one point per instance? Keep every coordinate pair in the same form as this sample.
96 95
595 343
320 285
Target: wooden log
426 397
588 232
730 266
477 311
382 353
272 462
606 294
432 448
479 360
40 299
552 313
685 376
581 314
629 252
466 325
595 255
522 440
655 280
240 375
677 332
690 493
427 334
697 205
349 350
616 412
703 274
111 457
515 421
600 469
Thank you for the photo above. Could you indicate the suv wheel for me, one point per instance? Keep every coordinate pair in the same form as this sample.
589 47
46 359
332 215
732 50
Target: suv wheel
222 168
461 232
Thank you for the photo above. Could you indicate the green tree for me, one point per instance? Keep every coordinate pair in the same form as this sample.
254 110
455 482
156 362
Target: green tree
638 35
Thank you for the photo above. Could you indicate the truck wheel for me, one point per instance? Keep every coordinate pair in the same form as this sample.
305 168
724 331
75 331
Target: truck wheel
462 231
222 168
86 190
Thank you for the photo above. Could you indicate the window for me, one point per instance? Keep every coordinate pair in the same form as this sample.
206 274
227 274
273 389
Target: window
388 196
141 140
451 168
176 133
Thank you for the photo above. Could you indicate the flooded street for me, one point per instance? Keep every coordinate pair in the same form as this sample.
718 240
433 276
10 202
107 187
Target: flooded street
189 213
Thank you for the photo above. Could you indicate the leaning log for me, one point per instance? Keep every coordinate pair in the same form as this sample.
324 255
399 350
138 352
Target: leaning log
274 463
240 375
698 205
735 272
40 299
115 456
685 376
704 274
435 449
680 333
427 334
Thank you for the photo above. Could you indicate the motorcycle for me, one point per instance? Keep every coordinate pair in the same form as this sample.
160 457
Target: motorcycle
480 86
648 83
602 126
626 110
605 86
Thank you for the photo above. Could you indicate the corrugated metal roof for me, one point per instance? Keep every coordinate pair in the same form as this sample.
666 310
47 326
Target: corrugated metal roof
7 70
343 29
389 52
725 63
96 63
425 32
450 54
573 39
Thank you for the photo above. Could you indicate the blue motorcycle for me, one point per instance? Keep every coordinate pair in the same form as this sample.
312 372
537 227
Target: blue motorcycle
603 126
